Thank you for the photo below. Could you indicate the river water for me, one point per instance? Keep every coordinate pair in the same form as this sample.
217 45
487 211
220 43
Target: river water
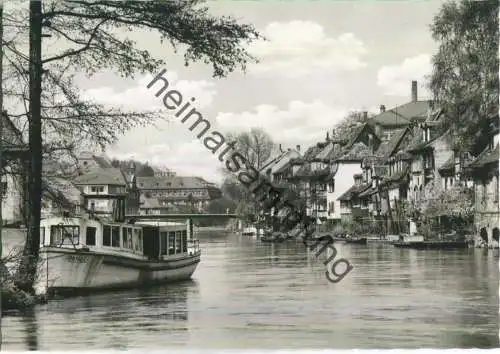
246 294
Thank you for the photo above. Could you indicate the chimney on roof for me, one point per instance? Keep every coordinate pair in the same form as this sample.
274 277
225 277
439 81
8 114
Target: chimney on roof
281 149
365 115
327 136
298 148
382 108
414 91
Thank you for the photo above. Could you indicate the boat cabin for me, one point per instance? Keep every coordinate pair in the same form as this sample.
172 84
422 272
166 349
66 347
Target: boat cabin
148 241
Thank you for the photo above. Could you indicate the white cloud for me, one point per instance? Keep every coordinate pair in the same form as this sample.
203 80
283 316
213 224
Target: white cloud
299 123
302 123
140 98
396 79
187 159
297 48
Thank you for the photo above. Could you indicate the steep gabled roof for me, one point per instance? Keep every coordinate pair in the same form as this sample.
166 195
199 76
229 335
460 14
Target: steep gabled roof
353 191
486 157
357 152
404 114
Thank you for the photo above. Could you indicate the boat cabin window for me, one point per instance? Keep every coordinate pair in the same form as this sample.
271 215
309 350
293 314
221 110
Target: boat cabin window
90 236
106 235
110 236
127 238
115 236
184 241
163 243
178 242
64 235
171 242
138 240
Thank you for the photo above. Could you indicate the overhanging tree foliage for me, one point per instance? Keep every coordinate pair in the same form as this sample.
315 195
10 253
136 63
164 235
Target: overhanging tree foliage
91 36
465 68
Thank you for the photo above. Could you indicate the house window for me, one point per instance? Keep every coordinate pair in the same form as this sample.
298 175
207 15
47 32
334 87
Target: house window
97 189
106 235
485 191
331 187
90 236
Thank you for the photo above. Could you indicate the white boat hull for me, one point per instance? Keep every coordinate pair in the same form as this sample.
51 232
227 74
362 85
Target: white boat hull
64 270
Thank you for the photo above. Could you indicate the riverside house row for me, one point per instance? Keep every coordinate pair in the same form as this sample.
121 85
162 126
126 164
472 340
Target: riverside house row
398 173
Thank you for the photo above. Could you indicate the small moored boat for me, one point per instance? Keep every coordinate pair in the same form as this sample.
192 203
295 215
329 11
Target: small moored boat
356 240
249 231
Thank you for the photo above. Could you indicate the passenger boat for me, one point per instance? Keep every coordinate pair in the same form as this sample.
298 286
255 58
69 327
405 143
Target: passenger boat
85 254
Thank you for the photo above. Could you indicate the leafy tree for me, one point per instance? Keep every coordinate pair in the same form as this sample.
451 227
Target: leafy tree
145 171
465 68
90 36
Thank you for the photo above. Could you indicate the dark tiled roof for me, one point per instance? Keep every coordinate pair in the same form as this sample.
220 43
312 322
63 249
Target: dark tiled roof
325 152
357 152
389 119
106 176
403 114
368 192
353 191
486 157
414 110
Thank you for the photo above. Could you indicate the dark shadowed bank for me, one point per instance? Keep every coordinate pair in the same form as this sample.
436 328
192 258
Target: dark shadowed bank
14 299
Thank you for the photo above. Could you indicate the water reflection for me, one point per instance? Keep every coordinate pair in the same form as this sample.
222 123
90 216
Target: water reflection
29 321
250 294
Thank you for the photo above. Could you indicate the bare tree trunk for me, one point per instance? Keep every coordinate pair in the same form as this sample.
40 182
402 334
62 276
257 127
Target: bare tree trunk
1 163
29 261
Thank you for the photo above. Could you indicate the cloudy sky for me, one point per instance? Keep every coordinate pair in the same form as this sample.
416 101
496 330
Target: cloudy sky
323 59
